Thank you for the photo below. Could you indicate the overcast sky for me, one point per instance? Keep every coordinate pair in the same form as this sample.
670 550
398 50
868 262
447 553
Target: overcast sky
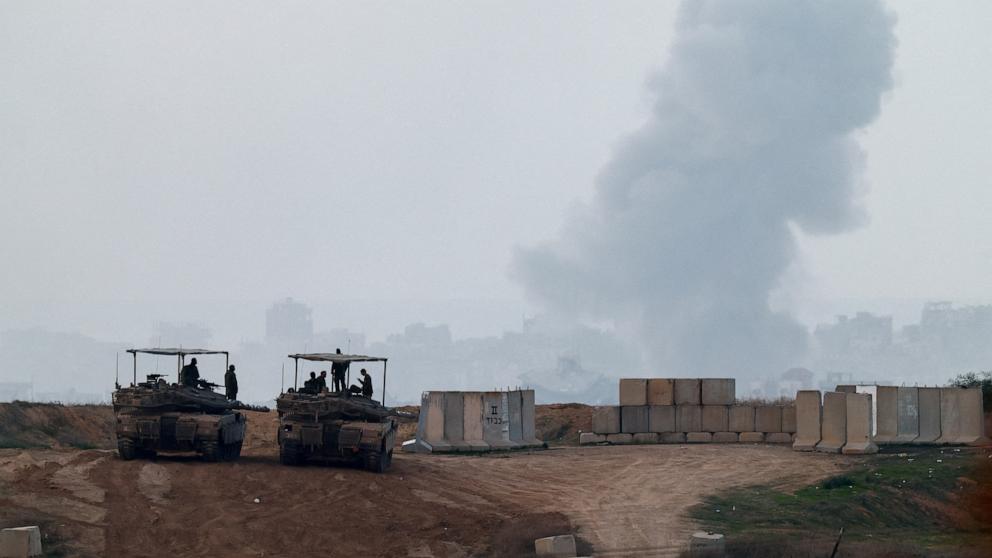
248 151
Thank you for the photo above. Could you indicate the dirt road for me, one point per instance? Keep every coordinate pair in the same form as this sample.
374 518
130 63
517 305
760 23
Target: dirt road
621 500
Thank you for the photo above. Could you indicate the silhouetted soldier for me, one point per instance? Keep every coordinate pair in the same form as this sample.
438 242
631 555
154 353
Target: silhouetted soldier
322 381
310 385
338 372
366 388
231 383
190 374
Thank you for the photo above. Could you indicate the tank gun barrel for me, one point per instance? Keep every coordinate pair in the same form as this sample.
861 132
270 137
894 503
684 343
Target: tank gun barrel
204 384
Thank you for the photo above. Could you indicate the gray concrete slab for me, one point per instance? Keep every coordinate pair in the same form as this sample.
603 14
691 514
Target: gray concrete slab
808 418
454 420
606 419
929 399
907 414
645 438
886 414
972 431
741 418
752 437
789 419
687 391
715 418
635 419
768 418
633 392
473 421
725 437
688 418
561 546
432 407
528 418
496 421
859 424
833 429
718 391
661 391
588 438
698 437
661 418
671 437
779 438
18 542
516 417
621 439
950 415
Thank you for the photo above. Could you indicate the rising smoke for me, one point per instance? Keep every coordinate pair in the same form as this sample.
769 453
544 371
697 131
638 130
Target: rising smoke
751 133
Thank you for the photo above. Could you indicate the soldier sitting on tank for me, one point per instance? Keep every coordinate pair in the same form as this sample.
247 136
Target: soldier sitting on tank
231 383
365 390
322 381
189 375
309 386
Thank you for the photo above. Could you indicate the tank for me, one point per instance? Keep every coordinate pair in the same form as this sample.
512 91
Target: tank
334 427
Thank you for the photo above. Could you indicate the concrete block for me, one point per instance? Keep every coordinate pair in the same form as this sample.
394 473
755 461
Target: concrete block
633 392
715 418
789 419
886 414
473 420
496 422
929 399
672 437
698 437
661 418
844 388
606 420
779 438
645 438
562 546
432 409
17 542
587 438
635 419
741 418
833 430
752 437
768 418
808 418
718 391
661 391
687 392
907 415
622 438
454 420
516 417
972 430
859 425
726 437
688 418
950 416
528 418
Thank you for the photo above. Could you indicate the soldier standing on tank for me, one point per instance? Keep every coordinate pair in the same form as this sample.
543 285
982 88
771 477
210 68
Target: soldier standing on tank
190 374
338 371
322 381
231 383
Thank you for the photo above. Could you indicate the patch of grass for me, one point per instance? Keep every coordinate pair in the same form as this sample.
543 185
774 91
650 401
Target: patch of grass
9 443
900 498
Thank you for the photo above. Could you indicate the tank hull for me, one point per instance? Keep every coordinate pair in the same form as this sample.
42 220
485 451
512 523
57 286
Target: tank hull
216 437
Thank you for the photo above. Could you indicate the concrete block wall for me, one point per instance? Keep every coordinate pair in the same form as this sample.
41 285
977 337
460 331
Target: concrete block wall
477 421
687 410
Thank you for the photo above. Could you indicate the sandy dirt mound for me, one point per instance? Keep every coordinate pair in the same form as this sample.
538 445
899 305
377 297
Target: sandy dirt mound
47 425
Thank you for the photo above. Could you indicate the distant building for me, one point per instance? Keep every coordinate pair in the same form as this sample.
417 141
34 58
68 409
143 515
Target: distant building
863 332
288 321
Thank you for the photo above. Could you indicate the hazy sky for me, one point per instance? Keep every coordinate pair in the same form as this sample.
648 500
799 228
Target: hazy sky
255 150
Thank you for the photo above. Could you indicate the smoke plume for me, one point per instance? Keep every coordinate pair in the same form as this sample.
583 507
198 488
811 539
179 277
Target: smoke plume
751 133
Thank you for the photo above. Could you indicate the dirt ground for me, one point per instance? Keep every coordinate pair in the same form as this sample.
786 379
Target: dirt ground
618 500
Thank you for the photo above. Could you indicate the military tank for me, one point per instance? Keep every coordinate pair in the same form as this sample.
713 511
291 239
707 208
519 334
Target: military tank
155 415
335 426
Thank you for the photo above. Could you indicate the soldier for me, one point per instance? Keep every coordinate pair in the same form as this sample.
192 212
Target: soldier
366 388
190 374
231 383
322 381
338 371
310 385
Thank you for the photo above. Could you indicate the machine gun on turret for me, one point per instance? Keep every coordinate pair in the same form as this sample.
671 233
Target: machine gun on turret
204 384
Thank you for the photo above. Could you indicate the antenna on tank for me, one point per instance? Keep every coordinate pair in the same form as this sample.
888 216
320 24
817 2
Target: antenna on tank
117 371
282 380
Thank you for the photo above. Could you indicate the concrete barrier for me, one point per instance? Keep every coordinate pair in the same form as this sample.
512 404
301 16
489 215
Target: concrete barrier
741 418
633 392
606 420
886 414
587 438
432 408
715 418
661 418
687 391
907 415
833 428
844 388
671 438
472 423
454 420
789 419
950 416
562 546
698 437
496 424
515 405
768 418
528 418
660 391
688 418
635 419
929 399
779 438
870 390
809 413
718 391
622 438
645 438
725 437
752 437
972 429
18 542
859 425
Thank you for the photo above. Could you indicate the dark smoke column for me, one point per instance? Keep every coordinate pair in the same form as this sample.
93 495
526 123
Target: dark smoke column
689 230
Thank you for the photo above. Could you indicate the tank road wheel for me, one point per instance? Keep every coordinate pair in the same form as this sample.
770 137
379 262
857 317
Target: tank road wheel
210 451
125 447
377 461
290 455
